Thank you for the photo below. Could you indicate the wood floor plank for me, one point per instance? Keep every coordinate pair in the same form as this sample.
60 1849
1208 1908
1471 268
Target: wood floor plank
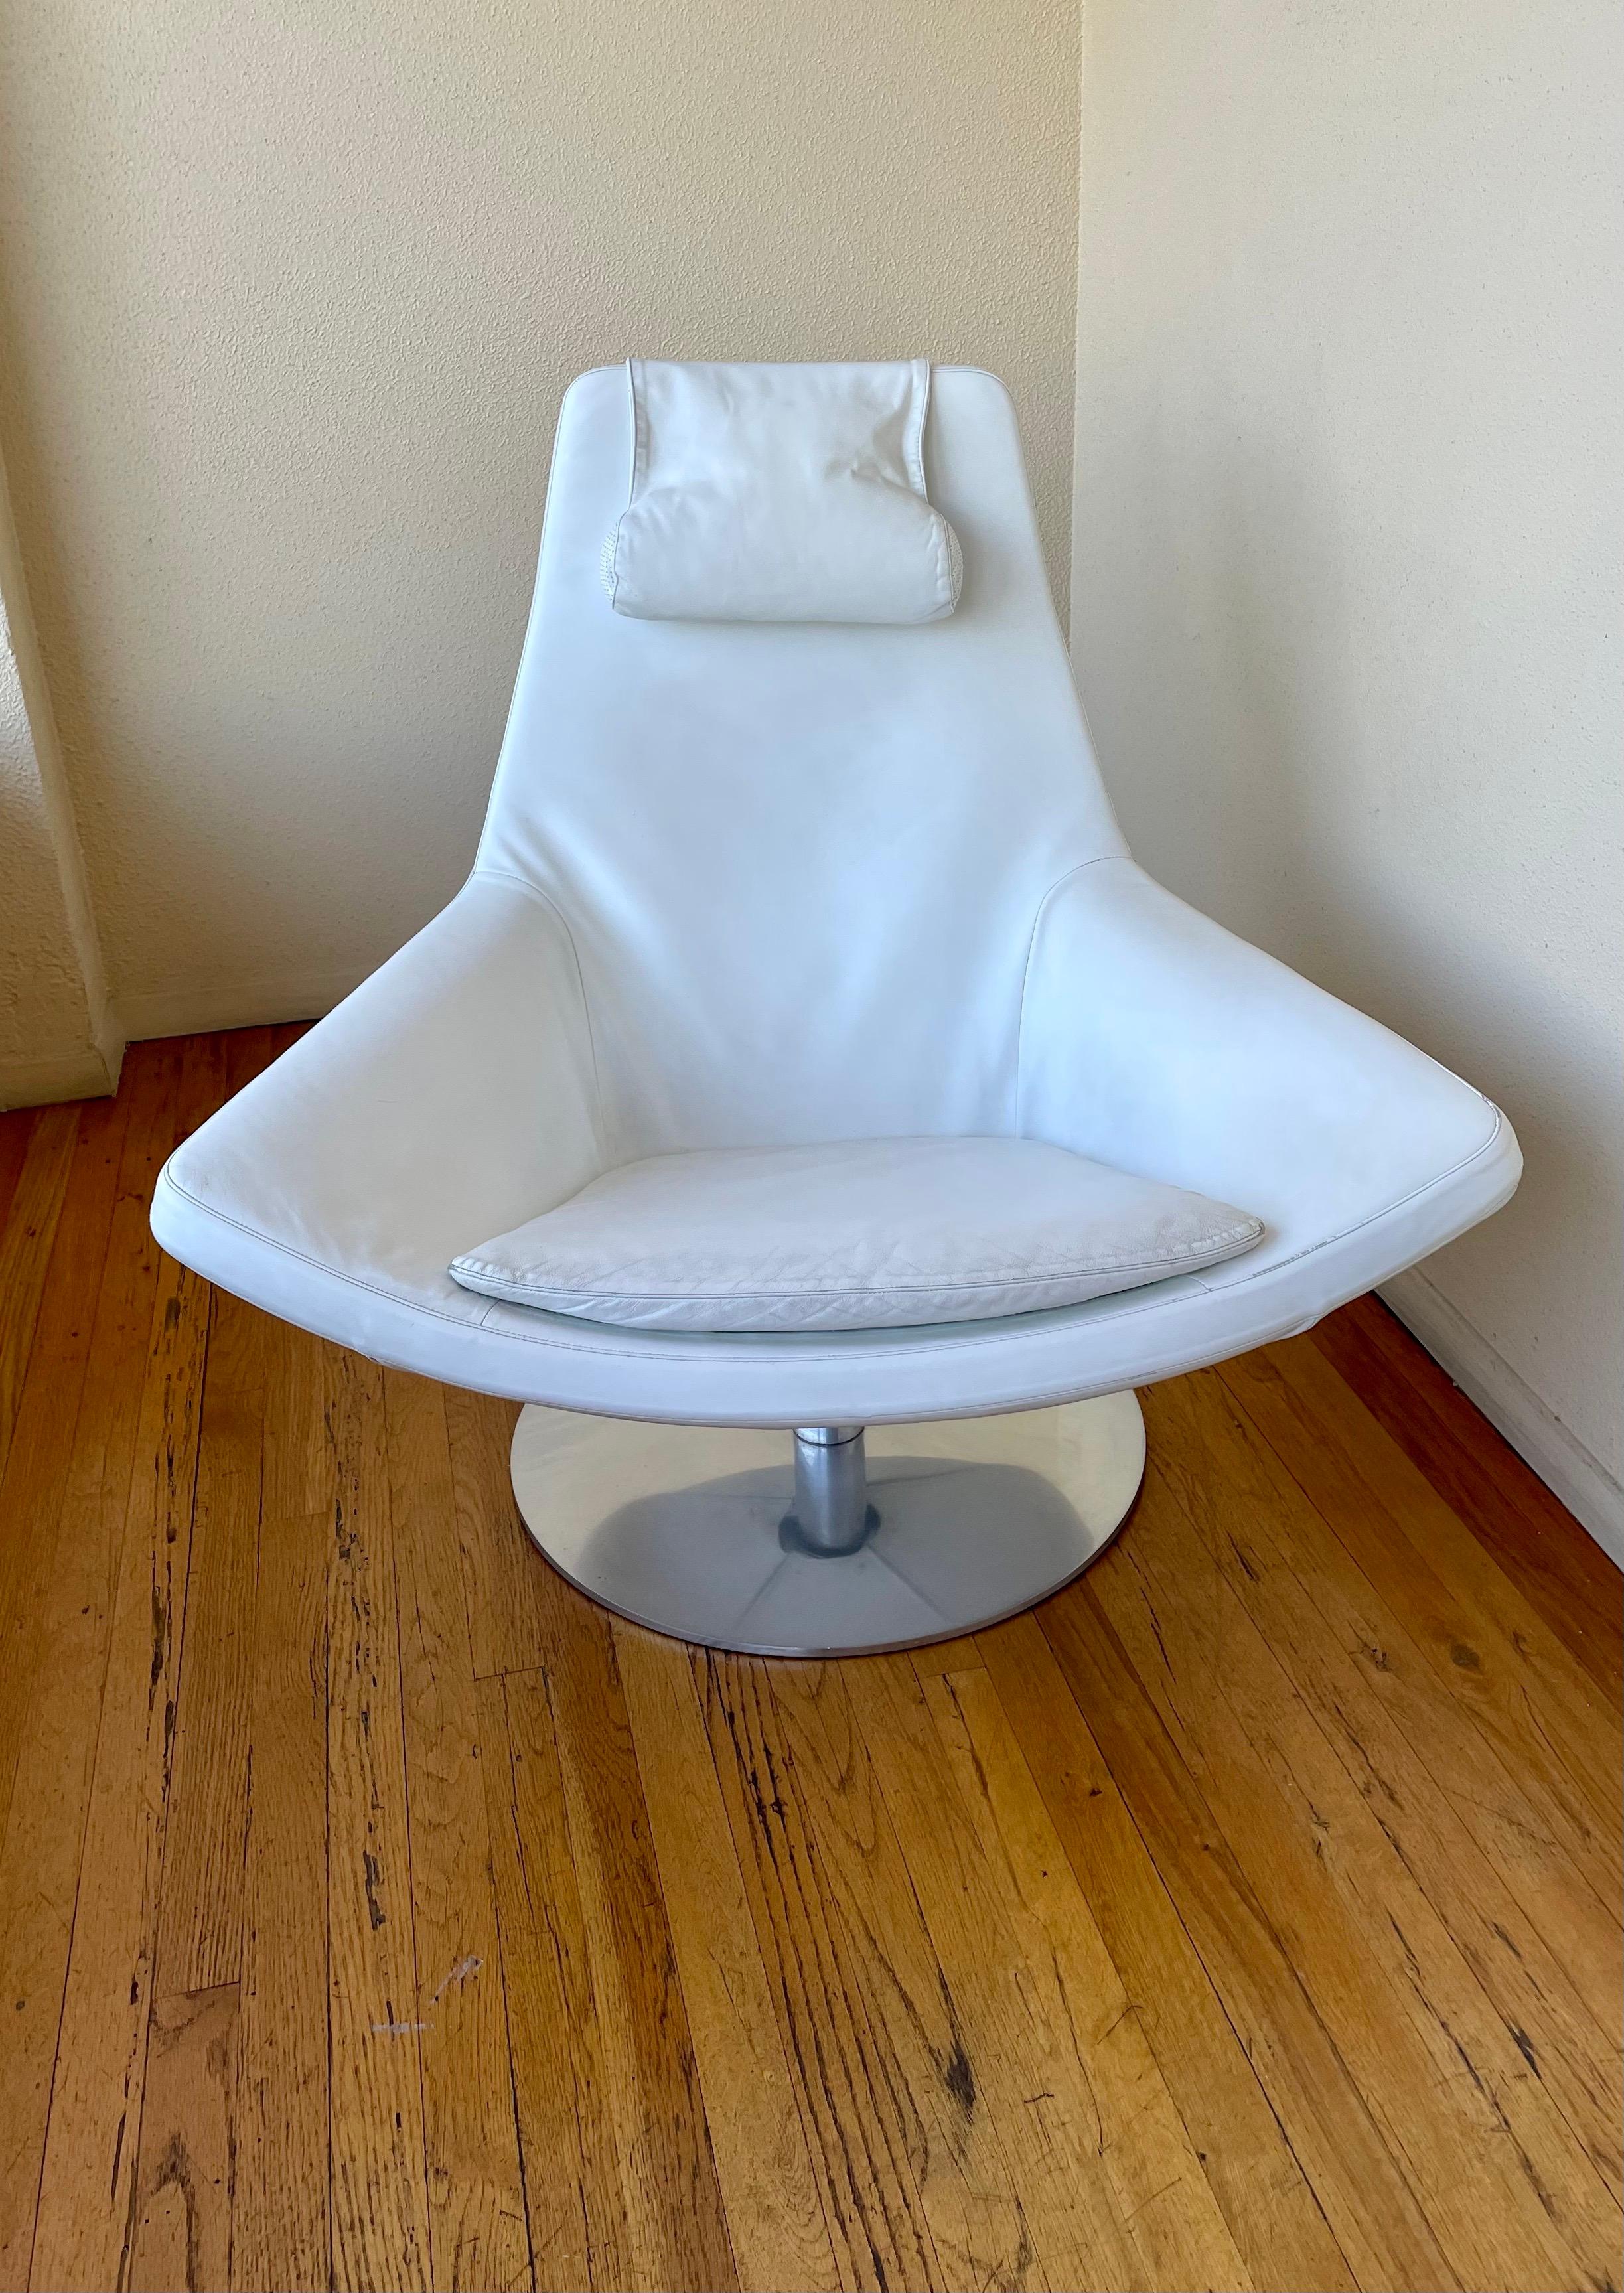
775 2216
1019 2064
1251 1519
34 1481
945 1657
1495 1792
1560 1570
831 1814
580 2234
508 1610
477 2229
81 2235
677 2226
1211 2071
16 1129
865 2138
1162 2195
26 1240
378 2163
200 1926
1472 1624
281 2233
186 2172
250 1050
282 2222
1376 2216
62 1526
1479 2138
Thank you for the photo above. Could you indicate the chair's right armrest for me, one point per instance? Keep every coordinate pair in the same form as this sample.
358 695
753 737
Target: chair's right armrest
450 1097
1154 1040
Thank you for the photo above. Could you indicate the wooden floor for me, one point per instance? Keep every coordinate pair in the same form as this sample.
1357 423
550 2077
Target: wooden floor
373 1912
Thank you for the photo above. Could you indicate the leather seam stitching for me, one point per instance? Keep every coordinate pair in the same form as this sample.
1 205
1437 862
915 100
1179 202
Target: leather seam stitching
638 465
1038 913
545 900
1203 1255
913 433
1403 1201
1134 1301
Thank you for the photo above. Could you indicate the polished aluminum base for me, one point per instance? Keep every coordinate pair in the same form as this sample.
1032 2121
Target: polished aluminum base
695 1531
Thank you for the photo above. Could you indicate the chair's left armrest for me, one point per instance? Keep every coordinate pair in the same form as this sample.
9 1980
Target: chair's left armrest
451 1096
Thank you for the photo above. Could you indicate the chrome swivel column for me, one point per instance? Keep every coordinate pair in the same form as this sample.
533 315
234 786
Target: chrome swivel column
832 1515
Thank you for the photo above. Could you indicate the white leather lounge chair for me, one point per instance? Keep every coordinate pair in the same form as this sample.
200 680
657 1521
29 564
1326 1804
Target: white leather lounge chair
756 885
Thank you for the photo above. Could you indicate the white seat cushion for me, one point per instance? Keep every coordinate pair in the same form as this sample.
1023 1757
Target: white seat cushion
864 1234
780 493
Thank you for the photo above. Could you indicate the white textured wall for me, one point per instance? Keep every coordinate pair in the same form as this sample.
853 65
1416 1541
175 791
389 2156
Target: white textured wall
289 297
1346 588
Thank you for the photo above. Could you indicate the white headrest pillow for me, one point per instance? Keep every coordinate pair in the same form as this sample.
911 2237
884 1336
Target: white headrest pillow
780 493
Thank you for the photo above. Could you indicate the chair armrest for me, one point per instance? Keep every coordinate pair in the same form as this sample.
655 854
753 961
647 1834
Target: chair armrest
1154 1040
451 1096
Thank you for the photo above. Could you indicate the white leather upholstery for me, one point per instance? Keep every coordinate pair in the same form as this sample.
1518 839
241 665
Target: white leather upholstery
774 885
861 1233
780 493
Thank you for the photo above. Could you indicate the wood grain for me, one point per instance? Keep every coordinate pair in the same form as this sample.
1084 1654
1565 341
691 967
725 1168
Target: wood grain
1254 1526
1063 1965
677 2224
202 1916
32 1485
378 2164
17 1128
100 2061
376 1912
185 2178
1213 2077
822 1793
67 1474
580 2235
1375 2215
282 2236
865 2131
200 1932
477 2229
503 1572
1481 1478
33 1205
774 2217
1019 2062
1473 1626
1413 2021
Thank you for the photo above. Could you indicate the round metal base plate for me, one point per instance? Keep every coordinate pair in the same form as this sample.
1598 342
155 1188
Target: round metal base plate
680 1527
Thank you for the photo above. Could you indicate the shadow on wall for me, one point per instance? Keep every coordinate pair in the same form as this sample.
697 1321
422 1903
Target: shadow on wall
1328 740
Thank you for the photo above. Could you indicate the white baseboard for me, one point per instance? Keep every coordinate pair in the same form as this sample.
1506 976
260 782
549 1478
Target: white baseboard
263 1002
1560 1458
92 1073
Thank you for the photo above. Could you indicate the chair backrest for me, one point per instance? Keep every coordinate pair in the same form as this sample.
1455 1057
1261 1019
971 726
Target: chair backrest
801 864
